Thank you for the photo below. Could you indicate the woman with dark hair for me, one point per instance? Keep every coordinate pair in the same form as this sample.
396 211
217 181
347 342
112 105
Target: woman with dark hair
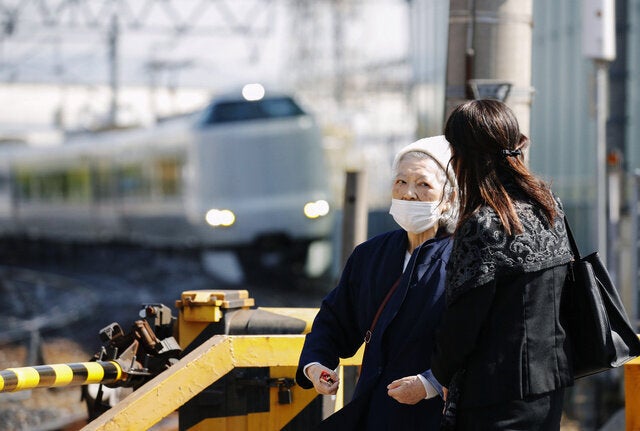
501 349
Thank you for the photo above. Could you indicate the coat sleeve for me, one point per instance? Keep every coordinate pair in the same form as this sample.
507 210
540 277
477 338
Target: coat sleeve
335 332
429 377
459 330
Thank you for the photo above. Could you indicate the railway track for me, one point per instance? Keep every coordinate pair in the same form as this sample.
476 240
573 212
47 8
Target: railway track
39 304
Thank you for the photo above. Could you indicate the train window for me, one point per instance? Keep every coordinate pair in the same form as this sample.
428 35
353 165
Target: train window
280 107
168 173
78 183
40 186
52 186
132 181
231 111
23 185
103 182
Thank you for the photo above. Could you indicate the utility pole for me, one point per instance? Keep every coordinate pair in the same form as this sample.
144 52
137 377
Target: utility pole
489 54
599 45
338 12
113 70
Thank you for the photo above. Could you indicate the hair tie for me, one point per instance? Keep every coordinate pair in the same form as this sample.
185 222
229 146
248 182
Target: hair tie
511 153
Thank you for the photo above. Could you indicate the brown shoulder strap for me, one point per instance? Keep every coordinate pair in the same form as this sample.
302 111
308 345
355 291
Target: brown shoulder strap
367 335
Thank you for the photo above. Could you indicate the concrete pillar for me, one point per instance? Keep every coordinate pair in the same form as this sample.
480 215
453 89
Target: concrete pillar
428 57
491 40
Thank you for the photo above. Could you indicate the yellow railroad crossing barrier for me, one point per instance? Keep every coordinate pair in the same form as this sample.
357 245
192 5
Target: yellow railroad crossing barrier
203 366
55 375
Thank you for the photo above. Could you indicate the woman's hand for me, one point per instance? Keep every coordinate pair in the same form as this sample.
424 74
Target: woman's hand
325 381
407 390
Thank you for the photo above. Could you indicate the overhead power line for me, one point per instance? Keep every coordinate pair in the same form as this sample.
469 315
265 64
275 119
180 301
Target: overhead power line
204 17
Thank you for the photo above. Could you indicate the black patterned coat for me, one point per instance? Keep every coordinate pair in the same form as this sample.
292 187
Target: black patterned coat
502 323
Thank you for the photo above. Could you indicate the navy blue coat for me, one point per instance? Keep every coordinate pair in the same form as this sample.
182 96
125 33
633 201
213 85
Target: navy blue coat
403 337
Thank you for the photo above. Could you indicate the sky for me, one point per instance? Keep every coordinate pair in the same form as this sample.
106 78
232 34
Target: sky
220 42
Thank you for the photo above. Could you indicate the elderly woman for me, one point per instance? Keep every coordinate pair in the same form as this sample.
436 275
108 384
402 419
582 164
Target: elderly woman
390 296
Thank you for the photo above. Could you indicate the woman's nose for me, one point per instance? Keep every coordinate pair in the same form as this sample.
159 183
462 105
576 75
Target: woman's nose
410 194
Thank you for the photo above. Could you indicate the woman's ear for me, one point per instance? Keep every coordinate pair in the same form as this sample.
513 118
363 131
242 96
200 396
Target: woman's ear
446 206
454 195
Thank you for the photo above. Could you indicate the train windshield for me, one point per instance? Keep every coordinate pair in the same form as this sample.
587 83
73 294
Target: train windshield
232 111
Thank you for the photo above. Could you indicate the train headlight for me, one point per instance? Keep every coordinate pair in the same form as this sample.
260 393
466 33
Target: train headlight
216 217
316 209
252 92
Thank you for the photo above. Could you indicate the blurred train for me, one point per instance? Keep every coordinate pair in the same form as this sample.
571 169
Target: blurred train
245 174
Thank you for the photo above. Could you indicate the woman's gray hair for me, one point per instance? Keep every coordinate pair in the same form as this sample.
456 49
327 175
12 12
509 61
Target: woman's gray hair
448 218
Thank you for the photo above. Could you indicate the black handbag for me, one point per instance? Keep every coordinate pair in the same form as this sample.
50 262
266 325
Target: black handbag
598 328
450 413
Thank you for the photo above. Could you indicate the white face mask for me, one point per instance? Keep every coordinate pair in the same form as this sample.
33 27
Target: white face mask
415 216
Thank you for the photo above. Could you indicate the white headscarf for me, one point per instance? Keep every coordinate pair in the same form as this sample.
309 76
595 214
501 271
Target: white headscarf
437 147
